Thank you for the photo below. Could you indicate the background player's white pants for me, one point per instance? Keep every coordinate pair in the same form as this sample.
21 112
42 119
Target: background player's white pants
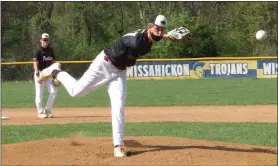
102 72
39 94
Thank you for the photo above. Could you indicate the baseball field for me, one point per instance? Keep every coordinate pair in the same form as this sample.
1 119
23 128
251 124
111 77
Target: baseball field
168 122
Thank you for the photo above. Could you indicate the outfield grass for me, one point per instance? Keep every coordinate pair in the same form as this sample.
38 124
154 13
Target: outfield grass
156 93
249 133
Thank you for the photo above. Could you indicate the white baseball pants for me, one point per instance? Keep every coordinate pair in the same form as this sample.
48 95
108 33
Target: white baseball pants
102 72
52 91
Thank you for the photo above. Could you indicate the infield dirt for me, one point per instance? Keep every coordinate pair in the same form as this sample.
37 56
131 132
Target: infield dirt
143 150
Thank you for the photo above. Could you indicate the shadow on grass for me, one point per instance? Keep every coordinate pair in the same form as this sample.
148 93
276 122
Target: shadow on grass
153 148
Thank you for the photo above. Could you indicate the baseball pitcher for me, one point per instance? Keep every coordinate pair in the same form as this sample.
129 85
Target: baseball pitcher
109 68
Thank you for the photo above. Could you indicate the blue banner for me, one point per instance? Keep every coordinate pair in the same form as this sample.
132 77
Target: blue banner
267 68
204 69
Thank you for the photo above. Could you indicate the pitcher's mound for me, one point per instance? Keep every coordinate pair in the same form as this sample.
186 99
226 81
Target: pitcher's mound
142 150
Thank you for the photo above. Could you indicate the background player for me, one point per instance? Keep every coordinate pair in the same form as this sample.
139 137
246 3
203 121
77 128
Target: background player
43 57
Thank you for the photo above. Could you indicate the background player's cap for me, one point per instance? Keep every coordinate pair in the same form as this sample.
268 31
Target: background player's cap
45 36
160 21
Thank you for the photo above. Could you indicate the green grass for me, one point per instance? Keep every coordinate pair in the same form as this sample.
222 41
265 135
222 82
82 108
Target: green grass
156 93
249 133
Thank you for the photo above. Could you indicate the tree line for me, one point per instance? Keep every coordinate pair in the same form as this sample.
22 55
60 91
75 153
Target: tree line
80 30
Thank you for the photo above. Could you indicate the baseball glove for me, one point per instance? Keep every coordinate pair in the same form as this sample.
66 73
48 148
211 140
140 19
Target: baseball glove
56 83
180 34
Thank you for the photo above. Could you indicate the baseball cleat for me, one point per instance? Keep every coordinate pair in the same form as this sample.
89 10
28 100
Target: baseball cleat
45 74
119 151
42 115
48 113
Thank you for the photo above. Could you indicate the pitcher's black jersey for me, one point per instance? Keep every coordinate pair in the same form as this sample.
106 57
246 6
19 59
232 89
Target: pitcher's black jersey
125 51
45 57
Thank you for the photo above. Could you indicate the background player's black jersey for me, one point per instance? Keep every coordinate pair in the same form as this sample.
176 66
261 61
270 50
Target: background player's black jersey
44 56
128 48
